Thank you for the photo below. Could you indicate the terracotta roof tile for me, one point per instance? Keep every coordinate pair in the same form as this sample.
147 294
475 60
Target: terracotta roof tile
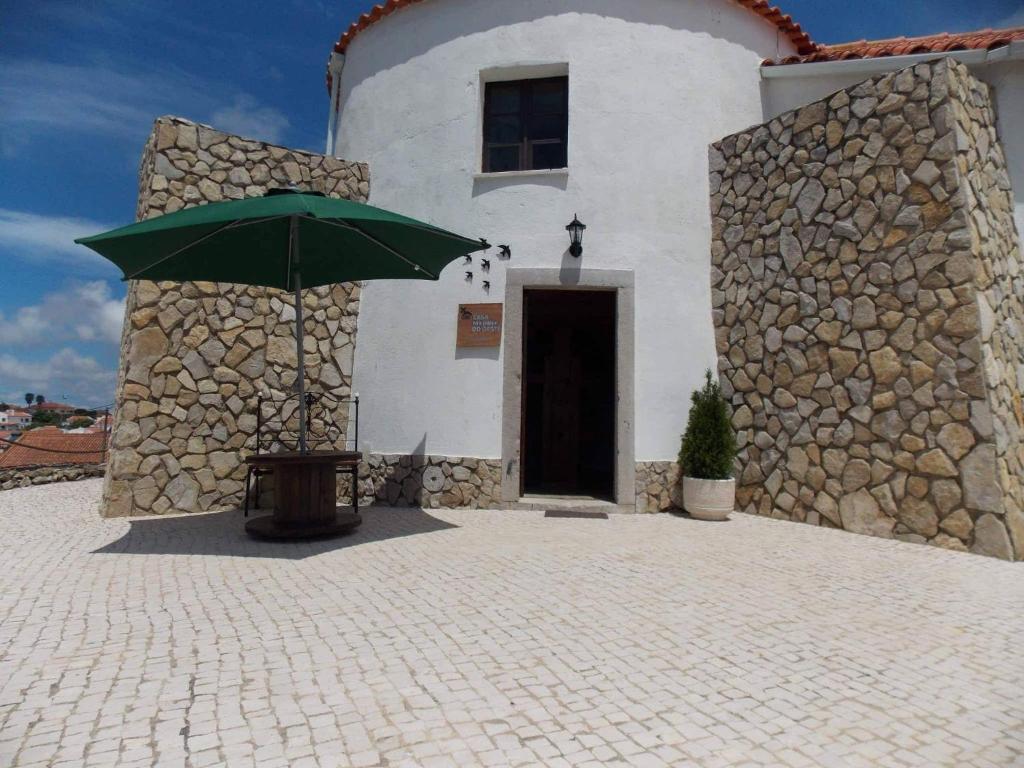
982 39
51 406
791 29
45 447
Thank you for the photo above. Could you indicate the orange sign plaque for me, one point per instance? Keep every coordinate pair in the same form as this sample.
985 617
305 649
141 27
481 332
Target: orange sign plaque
479 325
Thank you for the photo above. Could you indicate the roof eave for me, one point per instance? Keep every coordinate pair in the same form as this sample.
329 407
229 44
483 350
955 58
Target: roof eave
875 64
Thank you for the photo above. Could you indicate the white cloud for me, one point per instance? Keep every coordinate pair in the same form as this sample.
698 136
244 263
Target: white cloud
81 380
92 99
83 312
46 97
51 239
246 117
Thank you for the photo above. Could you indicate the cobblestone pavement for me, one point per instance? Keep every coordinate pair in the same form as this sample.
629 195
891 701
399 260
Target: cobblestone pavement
467 638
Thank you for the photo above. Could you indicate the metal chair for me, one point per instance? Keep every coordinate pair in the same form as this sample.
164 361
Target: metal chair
277 428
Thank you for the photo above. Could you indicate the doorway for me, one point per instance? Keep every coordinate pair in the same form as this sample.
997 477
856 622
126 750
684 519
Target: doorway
568 396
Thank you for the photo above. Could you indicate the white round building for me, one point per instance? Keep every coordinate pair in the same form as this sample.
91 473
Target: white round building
507 121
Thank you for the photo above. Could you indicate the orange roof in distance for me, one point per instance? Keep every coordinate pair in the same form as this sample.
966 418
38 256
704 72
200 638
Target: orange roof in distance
49 446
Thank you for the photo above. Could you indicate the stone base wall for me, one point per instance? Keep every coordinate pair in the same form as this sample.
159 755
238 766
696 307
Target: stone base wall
22 477
196 355
852 239
1000 281
658 486
429 482
436 482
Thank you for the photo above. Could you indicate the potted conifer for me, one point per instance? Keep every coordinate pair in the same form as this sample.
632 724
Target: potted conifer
707 454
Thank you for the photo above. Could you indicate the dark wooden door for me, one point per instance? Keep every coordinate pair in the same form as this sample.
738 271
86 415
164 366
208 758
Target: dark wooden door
563 385
568 392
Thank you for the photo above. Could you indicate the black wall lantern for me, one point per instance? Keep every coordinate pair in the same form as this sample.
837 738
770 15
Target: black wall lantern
575 229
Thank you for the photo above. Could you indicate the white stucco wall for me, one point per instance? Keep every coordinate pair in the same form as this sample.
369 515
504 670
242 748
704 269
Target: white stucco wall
652 83
781 94
1007 80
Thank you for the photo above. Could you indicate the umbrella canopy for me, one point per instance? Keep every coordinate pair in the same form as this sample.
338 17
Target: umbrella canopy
248 241
287 240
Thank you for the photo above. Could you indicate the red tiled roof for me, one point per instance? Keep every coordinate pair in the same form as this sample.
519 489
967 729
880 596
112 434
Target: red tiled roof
47 446
982 39
762 8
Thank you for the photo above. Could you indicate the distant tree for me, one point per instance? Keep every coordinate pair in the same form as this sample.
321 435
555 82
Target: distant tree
4 407
46 418
80 421
29 397
40 399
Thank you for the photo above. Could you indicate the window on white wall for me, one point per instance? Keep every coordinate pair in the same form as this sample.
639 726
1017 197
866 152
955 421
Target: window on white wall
526 124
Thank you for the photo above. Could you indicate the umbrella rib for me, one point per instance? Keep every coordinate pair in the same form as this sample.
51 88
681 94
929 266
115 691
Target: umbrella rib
229 225
438 231
376 241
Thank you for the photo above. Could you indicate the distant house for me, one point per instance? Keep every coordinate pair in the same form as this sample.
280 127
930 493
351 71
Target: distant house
102 424
47 405
14 421
49 446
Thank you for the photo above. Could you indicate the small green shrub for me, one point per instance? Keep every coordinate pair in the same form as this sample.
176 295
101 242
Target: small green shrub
709 445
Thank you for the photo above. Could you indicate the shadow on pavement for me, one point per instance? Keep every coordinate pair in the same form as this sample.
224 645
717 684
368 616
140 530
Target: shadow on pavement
223 533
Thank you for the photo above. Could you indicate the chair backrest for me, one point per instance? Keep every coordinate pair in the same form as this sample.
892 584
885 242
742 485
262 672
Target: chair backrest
332 423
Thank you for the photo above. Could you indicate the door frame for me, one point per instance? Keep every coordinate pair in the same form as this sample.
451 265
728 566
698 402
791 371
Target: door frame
622 282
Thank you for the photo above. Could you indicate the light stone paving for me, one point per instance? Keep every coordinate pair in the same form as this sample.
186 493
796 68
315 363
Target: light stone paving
478 638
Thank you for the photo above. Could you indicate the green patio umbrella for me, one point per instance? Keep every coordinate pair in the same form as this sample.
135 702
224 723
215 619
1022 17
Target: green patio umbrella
288 240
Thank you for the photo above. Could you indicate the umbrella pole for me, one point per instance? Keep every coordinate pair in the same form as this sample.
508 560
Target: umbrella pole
293 232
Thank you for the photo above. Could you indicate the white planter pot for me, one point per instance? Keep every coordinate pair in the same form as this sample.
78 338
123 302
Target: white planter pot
709 499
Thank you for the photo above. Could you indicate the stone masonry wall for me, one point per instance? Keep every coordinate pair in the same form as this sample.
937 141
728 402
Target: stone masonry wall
22 477
402 480
658 487
430 481
195 355
1000 281
852 240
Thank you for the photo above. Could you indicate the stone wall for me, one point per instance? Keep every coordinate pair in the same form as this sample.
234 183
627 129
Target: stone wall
851 241
658 486
195 355
1000 280
431 481
452 481
22 477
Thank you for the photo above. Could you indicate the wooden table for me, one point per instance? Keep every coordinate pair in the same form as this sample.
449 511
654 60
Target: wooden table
306 495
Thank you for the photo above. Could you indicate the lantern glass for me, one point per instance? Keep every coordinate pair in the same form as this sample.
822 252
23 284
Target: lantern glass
575 229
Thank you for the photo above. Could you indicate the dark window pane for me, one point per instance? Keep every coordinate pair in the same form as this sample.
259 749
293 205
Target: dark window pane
549 95
503 159
525 125
503 98
504 129
548 156
547 126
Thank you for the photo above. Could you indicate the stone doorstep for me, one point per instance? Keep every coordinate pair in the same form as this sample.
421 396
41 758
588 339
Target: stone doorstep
539 503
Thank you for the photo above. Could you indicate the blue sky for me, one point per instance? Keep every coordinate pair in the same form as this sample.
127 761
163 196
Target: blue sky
84 79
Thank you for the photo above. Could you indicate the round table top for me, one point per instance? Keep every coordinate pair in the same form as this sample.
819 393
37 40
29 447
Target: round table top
297 457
